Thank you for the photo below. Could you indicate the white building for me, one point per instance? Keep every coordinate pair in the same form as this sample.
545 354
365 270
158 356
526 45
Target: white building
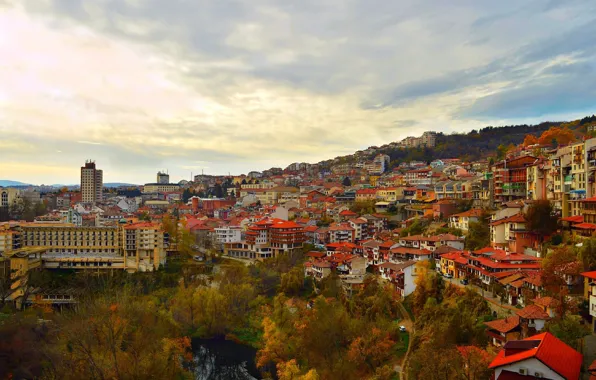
228 234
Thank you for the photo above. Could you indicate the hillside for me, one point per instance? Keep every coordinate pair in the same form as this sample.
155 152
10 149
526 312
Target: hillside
474 145
10 183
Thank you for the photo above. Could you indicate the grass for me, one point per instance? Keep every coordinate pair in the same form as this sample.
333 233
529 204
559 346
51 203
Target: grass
402 346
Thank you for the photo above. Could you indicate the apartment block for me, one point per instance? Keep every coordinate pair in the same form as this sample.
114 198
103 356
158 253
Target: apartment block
91 183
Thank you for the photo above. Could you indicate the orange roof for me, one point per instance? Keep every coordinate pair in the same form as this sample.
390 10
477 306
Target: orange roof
546 302
552 352
474 212
504 325
532 312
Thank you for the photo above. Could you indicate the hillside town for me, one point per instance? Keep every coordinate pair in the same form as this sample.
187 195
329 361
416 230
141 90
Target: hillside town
504 227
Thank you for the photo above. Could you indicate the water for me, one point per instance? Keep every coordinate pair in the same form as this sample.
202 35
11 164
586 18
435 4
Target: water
219 359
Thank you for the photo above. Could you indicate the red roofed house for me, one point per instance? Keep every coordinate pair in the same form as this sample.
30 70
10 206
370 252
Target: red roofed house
501 331
339 232
510 232
532 319
540 356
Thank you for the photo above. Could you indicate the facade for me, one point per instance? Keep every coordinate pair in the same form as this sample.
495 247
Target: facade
8 196
462 220
91 183
160 187
131 247
510 178
270 238
163 178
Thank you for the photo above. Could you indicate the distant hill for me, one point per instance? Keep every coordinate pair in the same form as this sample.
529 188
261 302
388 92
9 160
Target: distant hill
474 145
119 184
10 183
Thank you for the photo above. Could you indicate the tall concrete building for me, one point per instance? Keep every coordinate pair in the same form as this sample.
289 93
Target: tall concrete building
163 178
91 182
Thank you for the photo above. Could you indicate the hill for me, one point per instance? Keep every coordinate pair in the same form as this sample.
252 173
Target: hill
10 183
474 145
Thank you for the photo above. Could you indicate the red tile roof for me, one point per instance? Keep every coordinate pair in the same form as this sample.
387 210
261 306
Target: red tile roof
475 212
585 226
532 312
555 354
574 219
504 325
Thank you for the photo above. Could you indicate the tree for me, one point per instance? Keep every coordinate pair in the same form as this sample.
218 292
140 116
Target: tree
587 254
569 329
347 182
291 371
557 136
373 349
530 140
478 233
541 219
292 282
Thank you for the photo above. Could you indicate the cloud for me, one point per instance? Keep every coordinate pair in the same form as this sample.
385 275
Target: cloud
89 142
242 85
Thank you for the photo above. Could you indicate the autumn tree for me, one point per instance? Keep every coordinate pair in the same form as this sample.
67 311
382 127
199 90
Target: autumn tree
291 371
372 349
557 136
530 140
108 339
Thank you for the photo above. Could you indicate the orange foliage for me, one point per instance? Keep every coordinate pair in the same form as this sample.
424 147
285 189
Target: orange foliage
291 371
373 349
274 344
530 140
562 136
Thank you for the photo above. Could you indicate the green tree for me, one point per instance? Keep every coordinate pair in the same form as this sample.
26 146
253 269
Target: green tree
569 329
587 254
478 233
541 218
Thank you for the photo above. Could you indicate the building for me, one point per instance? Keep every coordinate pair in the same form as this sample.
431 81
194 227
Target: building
540 356
589 295
8 196
163 178
462 220
510 178
91 183
127 246
268 238
160 187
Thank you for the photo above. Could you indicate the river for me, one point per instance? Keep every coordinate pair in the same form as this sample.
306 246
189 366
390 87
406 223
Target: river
219 359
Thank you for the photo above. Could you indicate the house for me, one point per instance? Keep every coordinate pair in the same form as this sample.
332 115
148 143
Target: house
539 356
340 232
402 276
360 226
590 295
500 331
463 219
532 319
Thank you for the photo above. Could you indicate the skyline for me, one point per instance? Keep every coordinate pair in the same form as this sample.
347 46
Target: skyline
233 86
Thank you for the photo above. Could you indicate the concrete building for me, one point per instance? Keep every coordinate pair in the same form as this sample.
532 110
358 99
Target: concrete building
8 196
128 246
91 183
160 187
163 178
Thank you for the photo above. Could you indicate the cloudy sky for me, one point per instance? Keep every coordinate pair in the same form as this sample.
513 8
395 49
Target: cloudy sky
238 85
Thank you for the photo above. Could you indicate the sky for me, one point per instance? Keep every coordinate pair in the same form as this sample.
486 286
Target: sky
229 86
